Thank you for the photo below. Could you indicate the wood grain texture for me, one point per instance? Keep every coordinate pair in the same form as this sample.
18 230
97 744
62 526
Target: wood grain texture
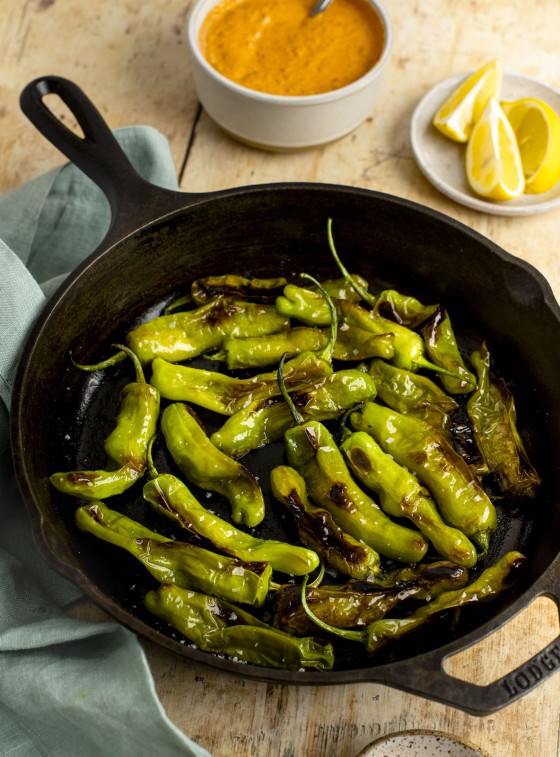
131 60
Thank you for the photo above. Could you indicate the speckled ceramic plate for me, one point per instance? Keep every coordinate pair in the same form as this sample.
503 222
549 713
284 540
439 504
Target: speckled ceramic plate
442 161
420 744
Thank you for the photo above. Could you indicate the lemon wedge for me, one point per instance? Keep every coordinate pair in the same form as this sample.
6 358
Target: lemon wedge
537 129
463 107
493 163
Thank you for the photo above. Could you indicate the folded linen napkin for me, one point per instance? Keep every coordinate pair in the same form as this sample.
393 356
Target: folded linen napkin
67 687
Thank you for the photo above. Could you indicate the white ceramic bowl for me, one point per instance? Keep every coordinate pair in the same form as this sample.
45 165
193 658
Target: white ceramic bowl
279 122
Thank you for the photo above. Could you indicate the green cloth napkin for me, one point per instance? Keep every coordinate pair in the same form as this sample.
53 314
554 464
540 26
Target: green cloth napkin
68 688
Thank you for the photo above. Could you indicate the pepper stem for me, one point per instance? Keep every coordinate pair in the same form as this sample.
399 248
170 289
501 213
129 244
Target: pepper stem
425 363
364 294
152 470
326 352
344 633
118 357
297 416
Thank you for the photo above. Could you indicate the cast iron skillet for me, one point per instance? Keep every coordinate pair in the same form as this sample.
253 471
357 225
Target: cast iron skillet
158 242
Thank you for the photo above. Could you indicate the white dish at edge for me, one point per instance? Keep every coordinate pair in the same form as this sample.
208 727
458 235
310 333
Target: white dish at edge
442 161
419 744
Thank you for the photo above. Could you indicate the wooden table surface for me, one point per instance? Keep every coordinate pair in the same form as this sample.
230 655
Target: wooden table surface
130 58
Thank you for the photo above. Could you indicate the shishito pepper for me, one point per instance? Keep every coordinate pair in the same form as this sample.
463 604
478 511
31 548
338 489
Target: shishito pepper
259 351
318 530
241 287
222 628
423 450
491 583
491 409
126 446
227 394
358 603
312 451
182 564
172 498
402 496
208 467
443 350
186 334
401 308
409 346
412 393
266 421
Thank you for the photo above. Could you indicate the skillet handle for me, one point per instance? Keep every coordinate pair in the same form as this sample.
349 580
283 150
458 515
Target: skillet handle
132 199
425 675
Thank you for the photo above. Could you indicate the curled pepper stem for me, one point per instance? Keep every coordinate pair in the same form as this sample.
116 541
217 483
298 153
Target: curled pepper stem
319 578
326 352
359 636
297 416
118 357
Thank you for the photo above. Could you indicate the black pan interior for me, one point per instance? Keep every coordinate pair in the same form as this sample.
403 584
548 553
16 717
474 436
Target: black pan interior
63 415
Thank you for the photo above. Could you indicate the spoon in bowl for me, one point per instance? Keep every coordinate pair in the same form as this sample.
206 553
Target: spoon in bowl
319 7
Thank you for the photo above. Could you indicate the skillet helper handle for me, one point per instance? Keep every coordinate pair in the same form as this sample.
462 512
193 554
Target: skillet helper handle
97 153
425 675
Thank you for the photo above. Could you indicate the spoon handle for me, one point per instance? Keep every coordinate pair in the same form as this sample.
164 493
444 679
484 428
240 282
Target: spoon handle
319 7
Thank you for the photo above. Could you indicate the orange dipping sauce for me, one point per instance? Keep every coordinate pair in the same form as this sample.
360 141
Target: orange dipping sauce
273 46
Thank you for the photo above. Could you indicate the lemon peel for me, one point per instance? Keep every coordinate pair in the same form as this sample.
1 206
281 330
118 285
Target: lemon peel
537 129
493 162
463 108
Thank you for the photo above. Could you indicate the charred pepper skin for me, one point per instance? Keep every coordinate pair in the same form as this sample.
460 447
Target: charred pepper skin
266 421
187 334
417 446
491 583
491 409
402 496
412 394
318 530
208 467
312 451
172 498
222 628
226 394
359 603
126 446
179 563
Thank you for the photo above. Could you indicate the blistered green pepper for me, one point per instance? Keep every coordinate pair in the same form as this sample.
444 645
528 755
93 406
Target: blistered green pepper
172 498
210 287
402 496
401 308
309 308
358 603
125 447
266 421
423 450
409 346
312 451
185 565
259 351
222 628
491 583
226 394
186 334
442 349
208 467
491 409
318 530
412 393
